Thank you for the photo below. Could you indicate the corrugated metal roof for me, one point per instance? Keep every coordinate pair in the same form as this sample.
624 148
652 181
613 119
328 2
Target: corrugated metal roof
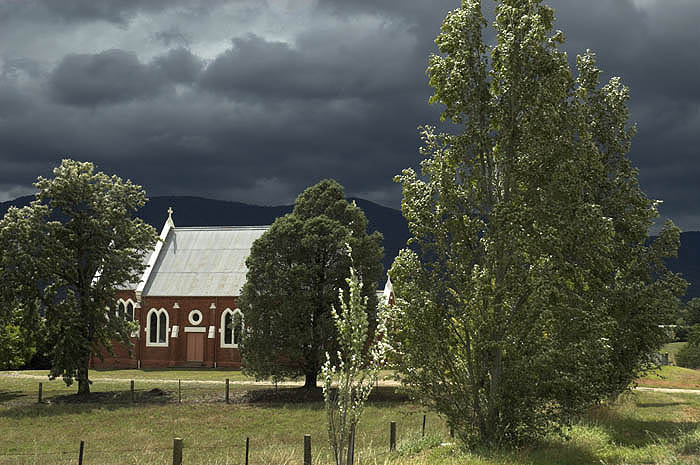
203 261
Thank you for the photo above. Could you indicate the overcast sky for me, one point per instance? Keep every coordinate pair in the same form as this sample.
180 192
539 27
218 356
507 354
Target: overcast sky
253 101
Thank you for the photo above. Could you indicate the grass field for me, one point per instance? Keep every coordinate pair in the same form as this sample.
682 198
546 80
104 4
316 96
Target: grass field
640 428
672 377
672 348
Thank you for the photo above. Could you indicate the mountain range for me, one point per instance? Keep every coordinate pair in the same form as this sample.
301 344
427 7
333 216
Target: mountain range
197 211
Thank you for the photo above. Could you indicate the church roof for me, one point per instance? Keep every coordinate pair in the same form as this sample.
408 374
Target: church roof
201 261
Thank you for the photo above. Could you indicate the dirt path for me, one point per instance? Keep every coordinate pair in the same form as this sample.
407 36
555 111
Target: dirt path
671 390
17 374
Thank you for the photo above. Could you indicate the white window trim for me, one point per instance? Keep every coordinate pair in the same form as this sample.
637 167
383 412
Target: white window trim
126 306
195 312
148 328
228 311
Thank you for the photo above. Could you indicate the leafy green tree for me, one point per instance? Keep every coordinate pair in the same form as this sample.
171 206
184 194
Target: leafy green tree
689 355
294 272
17 344
67 253
691 312
529 293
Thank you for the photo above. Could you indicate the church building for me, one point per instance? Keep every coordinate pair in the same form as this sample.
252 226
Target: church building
185 303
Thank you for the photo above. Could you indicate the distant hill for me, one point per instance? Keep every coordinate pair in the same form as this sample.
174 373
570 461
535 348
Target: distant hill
197 211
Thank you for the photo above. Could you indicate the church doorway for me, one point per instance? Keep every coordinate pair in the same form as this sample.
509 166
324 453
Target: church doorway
195 347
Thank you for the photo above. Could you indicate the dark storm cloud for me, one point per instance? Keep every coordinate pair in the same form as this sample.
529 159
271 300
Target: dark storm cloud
653 48
312 70
254 101
113 11
172 36
180 65
108 77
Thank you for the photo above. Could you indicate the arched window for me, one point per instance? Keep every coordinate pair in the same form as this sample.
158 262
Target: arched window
125 309
157 328
231 327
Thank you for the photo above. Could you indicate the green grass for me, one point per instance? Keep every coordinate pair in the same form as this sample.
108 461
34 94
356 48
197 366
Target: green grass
672 348
641 428
672 377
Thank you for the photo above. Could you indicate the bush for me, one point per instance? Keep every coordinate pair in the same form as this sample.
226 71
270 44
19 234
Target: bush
688 356
680 334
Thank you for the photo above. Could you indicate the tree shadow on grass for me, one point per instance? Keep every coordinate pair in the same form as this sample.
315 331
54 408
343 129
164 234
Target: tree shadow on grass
69 404
313 398
7 396
630 431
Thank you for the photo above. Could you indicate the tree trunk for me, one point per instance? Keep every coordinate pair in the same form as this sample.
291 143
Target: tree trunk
83 381
310 382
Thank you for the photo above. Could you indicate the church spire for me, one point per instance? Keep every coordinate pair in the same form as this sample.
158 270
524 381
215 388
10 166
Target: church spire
170 217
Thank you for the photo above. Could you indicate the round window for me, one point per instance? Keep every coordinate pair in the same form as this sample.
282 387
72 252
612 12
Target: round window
195 317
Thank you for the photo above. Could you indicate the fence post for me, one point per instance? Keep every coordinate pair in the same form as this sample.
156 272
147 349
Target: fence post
132 391
41 389
392 436
247 449
179 391
177 451
307 449
80 454
423 430
227 390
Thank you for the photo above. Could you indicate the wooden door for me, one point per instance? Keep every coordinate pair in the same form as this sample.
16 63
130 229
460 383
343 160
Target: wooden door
195 347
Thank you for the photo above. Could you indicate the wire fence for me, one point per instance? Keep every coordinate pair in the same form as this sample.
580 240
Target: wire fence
84 455
186 452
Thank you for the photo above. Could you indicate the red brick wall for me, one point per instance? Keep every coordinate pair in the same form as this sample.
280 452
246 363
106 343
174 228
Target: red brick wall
175 354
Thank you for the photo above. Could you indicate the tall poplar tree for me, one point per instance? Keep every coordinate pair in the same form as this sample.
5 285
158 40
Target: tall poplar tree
67 253
530 291
295 271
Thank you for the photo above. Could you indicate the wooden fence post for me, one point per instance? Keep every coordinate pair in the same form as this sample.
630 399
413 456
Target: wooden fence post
179 391
41 389
392 436
423 430
247 449
177 451
227 390
80 454
307 449
132 391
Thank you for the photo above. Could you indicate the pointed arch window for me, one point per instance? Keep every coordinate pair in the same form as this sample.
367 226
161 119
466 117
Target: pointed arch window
157 328
125 309
231 328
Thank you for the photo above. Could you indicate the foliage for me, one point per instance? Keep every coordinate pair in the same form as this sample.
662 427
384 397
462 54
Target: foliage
15 346
294 272
689 355
689 314
358 363
529 293
67 253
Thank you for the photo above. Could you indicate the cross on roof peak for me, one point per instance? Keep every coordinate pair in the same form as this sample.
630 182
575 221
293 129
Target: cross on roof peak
170 214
